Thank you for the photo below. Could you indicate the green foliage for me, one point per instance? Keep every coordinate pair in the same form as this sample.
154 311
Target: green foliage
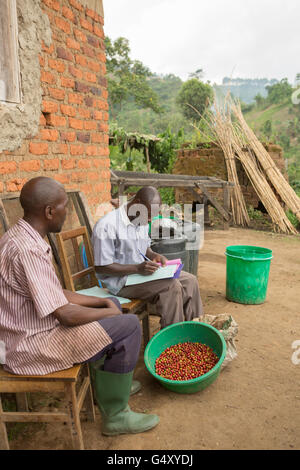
293 219
267 129
164 155
196 94
127 78
279 92
167 196
254 214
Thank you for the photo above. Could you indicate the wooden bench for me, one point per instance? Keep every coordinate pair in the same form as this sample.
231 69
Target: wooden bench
63 381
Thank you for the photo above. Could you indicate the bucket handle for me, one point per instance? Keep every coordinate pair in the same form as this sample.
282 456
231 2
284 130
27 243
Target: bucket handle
247 259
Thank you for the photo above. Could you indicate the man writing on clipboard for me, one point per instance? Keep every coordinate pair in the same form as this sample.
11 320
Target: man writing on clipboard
122 247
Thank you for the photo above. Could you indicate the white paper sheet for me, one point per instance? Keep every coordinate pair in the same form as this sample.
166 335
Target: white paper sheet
161 273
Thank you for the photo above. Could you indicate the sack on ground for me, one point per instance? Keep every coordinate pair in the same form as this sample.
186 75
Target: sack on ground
228 328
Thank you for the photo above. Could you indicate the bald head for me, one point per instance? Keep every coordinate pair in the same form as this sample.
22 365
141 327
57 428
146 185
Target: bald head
39 193
44 202
147 196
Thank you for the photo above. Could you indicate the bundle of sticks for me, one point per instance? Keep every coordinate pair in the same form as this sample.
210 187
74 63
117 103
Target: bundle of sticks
238 140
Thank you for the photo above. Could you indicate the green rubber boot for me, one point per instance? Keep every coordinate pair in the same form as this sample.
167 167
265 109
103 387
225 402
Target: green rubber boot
112 394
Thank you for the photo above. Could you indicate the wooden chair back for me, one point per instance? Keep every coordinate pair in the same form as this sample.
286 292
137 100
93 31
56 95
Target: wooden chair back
81 272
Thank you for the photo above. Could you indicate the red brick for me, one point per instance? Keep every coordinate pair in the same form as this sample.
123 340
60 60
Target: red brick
82 137
60 149
97 138
105 116
75 98
76 4
86 25
49 134
76 149
99 187
38 148
63 25
101 57
81 87
89 101
88 125
97 115
42 120
80 36
68 110
93 66
90 77
47 77
54 4
55 120
67 13
100 104
103 127
91 150
68 164
98 31
56 65
64 54
81 60
7 167
30 165
84 163
1 187
93 41
78 176
83 112
63 179
88 50
49 107
76 123
57 93
96 91
72 44
93 176
67 82
15 184
69 136
75 72
52 164
98 162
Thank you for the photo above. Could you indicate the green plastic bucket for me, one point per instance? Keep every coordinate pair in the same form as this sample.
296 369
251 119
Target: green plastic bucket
247 274
194 332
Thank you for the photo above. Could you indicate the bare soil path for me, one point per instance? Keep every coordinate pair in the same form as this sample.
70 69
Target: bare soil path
255 402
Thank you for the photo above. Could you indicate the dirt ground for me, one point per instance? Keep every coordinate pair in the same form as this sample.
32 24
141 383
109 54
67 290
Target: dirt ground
255 402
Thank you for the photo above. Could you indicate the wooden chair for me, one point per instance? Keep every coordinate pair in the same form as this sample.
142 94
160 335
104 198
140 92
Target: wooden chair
137 307
63 381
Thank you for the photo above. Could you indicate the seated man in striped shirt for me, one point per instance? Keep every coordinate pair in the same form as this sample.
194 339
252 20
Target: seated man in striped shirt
47 329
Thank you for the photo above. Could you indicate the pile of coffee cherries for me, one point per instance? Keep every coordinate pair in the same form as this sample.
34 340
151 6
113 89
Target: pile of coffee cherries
185 361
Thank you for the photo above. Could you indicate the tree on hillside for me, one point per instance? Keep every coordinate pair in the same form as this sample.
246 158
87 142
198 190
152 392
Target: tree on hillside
196 94
279 92
127 78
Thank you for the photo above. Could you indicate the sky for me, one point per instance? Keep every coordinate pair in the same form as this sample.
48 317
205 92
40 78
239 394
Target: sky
233 38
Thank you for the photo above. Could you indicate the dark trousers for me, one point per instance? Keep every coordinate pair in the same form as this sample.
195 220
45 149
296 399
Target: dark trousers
122 354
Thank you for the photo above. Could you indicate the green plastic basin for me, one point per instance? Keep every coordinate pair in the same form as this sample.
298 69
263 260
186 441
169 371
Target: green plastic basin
247 273
180 333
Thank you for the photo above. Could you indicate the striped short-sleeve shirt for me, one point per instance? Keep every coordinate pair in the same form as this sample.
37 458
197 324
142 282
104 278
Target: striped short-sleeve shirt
35 342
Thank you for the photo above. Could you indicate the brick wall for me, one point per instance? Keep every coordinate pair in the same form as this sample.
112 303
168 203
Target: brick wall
72 143
211 162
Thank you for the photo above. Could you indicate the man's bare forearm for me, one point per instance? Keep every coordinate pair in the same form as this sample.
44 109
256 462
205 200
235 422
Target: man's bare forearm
75 315
85 300
117 269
